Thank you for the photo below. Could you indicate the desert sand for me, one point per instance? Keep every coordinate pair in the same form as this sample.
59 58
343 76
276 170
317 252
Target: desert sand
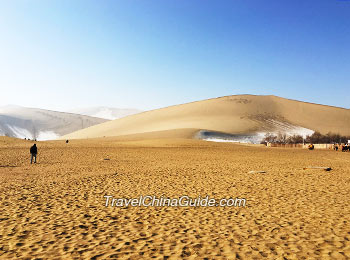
238 114
55 208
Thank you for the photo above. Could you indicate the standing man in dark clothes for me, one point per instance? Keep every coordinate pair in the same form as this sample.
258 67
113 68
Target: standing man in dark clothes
33 152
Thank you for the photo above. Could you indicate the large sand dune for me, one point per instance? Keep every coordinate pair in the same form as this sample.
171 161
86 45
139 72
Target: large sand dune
41 124
238 115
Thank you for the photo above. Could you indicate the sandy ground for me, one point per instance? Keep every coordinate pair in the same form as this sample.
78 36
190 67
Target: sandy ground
55 209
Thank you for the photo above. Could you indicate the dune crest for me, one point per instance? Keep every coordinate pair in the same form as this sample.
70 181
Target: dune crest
235 115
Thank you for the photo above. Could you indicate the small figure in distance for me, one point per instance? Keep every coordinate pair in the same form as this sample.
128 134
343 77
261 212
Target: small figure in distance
345 148
33 153
67 141
311 146
336 147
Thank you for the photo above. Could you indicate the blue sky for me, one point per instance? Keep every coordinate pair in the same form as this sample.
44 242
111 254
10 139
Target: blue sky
150 54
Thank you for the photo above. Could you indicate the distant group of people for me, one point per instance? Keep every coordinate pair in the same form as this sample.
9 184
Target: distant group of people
343 147
29 139
336 147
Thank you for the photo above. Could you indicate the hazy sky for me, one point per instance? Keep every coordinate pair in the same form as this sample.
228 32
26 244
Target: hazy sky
149 54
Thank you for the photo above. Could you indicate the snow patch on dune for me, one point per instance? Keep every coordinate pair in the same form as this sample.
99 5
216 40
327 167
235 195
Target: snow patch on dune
276 127
212 136
289 129
20 132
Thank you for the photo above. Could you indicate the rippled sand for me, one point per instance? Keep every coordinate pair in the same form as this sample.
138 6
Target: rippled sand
55 209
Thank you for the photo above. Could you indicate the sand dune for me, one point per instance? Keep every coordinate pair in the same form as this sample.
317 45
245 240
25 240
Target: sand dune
241 114
56 210
41 124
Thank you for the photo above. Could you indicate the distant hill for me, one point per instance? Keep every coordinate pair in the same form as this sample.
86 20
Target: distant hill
105 112
40 124
237 118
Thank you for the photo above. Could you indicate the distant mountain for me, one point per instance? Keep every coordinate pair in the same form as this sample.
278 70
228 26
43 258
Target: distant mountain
105 112
40 124
237 118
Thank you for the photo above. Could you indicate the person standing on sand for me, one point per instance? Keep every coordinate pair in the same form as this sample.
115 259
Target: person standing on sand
33 153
